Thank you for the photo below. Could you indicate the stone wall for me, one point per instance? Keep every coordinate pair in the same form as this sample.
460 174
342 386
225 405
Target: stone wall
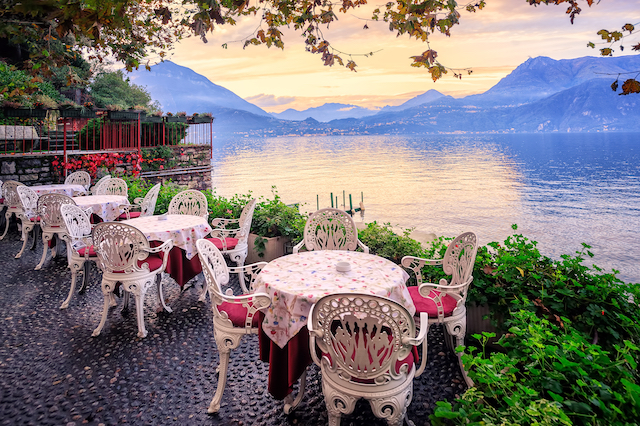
193 168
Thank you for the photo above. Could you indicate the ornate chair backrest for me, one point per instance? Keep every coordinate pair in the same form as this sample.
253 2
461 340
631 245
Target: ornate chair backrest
76 221
79 178
11 197
95 190
148 205
119 247
189 202
1 190
214 268
29 200
49 209
363 335
245 221
113 186
460 258
330 229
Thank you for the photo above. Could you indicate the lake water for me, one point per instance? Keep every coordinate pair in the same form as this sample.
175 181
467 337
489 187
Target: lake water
560 189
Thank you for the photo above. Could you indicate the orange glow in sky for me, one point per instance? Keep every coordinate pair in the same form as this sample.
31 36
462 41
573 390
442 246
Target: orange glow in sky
491 42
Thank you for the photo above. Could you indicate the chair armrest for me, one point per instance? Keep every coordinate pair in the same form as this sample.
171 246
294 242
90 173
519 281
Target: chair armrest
222 233
363 247
222 222
417 263
126 208
313 335
421 340
425 288
165 247
253 302
298 246
252 270
80 193
138 201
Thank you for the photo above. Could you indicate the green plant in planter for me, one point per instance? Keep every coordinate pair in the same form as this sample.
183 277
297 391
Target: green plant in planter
547 375
384 242
158 158
273 218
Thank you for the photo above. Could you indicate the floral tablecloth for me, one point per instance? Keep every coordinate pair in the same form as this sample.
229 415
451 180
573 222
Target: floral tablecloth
184 230
105 206
67 190
295 282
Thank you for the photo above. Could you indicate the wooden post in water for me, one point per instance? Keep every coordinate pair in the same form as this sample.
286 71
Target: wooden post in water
332 200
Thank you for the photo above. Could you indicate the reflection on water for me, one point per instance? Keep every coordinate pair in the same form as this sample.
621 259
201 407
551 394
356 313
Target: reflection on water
561 190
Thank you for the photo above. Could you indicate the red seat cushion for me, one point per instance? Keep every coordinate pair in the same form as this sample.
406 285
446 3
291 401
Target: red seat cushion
154 261
231 243
35 219
238 314
132 215
428 305
92 251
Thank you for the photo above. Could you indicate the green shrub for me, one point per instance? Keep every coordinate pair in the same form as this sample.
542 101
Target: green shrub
384 242
547 375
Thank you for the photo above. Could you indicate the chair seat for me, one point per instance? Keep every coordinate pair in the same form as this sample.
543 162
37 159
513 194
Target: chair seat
92 251
154 261
35 219
237 314
132 215
424 304
231 243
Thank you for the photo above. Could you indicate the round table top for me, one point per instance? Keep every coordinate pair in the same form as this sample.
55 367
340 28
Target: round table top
295 282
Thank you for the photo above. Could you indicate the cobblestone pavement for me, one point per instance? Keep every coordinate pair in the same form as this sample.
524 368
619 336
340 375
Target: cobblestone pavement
52 372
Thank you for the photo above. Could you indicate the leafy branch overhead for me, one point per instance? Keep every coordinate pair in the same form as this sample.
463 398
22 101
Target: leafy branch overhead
611 38
135 32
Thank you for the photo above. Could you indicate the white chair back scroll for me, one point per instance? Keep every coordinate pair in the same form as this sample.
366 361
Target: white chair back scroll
330 229
233 316
79 178
113 186
189 202
366 345
28 216
11 201
147 205
51 221
94 188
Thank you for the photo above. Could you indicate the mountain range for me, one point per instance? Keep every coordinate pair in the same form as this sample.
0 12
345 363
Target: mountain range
540 95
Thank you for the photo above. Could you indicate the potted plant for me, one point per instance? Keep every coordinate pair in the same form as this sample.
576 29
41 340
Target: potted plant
203 117
155 117
180 117
115 112
69 108
275 226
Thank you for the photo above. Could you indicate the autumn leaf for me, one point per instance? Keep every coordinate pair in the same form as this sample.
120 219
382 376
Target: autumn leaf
628 27
630 86
606 51
614 85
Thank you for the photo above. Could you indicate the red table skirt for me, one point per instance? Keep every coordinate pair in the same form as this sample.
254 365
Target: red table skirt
287 364
179 267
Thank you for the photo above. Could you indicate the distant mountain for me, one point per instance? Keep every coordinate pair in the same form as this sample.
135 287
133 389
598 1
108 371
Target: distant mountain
326 113
179 88
540 77
425 98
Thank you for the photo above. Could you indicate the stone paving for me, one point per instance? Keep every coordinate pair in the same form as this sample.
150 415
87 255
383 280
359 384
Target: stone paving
52 372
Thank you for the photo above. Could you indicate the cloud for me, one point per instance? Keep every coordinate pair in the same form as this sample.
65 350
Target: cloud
266 101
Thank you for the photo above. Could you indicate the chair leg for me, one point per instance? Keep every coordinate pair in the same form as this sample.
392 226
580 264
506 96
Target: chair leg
160 294
290 403
457 331
46 237
224 353
74 266
85 277
107 292
25 238
36 235
7 216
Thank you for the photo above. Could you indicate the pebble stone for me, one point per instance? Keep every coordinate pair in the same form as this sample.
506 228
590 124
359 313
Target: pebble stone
52 372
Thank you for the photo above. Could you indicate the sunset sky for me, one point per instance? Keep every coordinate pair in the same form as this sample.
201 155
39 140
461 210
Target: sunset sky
492 42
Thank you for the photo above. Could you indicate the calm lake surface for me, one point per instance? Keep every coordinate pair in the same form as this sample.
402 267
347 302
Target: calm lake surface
560 189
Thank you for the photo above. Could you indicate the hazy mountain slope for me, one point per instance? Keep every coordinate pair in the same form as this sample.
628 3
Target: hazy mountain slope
540 77
179 88
425 98
326 112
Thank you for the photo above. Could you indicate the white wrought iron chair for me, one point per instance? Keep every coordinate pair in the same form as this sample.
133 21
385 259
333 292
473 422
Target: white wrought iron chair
11 201
330 229
124 256
366 344
189 202
79 178
233 316
94 188
1 206
234 242
445 302
147 205
113 186
28 216
51 222
79 246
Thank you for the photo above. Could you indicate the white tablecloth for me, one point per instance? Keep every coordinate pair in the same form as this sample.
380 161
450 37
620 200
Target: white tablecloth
105 206
67 190
295 282
184 230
